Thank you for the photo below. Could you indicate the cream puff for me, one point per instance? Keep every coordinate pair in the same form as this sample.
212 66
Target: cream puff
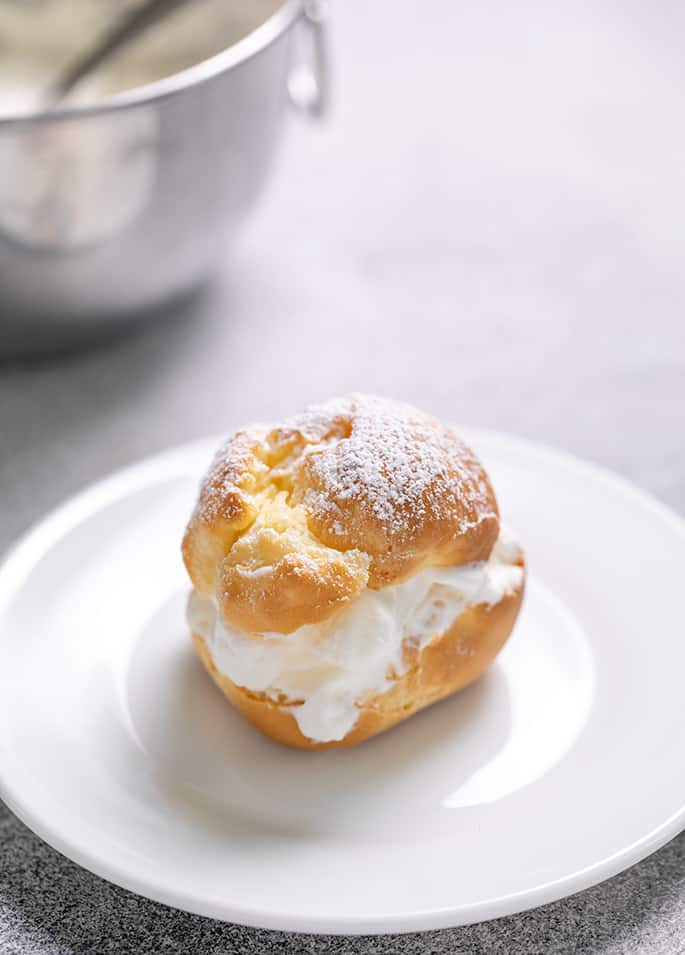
348 570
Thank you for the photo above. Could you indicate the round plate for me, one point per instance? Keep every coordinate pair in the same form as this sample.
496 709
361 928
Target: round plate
554 771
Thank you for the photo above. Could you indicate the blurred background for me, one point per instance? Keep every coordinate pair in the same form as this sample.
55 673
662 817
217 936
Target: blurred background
488 224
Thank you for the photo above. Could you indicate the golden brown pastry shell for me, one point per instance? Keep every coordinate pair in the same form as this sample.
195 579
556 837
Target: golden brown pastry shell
447 664
294 522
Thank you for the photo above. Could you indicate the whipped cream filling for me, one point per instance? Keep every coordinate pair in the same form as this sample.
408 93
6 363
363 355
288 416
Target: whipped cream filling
328 669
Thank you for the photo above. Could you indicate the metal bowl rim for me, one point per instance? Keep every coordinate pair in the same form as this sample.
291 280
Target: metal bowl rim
254 43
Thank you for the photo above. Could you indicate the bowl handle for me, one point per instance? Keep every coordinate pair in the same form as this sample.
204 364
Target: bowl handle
309 83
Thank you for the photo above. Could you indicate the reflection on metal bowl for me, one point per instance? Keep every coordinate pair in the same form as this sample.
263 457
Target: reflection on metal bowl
110 207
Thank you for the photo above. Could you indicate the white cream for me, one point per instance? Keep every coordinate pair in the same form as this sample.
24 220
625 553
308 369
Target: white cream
332 666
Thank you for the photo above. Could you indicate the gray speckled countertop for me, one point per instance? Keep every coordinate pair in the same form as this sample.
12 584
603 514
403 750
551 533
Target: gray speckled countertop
490 226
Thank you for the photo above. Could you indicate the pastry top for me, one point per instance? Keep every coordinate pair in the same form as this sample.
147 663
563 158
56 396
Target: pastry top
295 521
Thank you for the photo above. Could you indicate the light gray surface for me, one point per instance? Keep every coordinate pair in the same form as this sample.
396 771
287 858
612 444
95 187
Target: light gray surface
491 227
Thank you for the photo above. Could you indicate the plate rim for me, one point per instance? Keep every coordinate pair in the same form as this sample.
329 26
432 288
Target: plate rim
16 564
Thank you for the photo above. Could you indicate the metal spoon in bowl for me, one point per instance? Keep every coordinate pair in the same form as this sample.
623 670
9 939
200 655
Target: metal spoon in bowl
126 28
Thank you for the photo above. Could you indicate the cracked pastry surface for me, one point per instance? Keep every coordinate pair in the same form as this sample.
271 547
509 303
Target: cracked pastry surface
314 550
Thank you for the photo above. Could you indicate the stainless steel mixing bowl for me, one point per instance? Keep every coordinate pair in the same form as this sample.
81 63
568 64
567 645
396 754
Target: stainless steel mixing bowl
110 209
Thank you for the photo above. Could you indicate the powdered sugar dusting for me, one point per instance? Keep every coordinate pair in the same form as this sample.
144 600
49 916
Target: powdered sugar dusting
372 474
222 491
397 466
318 421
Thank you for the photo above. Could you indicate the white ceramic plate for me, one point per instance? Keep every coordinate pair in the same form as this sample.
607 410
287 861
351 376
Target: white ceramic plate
558 769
